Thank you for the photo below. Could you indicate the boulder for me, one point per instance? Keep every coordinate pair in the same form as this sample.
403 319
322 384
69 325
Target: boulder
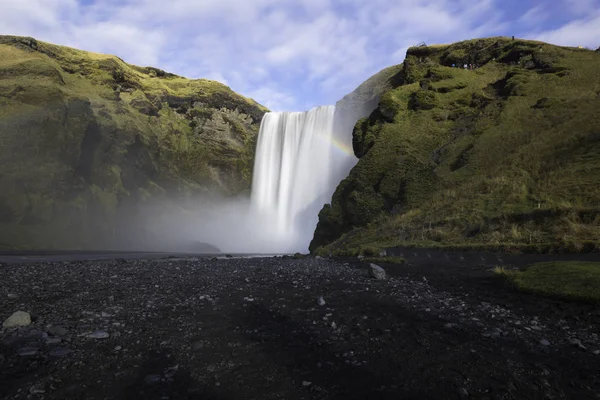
18 319
376 272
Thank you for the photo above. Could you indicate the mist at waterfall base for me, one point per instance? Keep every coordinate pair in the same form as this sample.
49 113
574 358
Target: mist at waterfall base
300 159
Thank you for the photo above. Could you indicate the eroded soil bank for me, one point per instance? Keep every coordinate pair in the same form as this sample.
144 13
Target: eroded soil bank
441 327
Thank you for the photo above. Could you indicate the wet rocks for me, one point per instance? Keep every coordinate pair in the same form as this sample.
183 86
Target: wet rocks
60 352
57 330
28 351
376 272
17 319
98 335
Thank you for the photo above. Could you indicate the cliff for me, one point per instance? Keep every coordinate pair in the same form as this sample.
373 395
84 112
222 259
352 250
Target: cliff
504 155
86 139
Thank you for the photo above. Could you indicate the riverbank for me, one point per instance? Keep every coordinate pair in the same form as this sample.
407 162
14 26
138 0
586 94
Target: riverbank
437 328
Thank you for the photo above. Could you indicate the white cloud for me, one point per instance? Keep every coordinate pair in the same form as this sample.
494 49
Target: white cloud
284 53
274 100
581 32
581 7
534 16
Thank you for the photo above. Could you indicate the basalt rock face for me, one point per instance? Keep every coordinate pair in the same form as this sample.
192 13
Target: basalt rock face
87 139
502 153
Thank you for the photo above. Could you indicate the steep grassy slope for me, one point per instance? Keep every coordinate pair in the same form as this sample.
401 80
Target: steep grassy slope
504 155
85 138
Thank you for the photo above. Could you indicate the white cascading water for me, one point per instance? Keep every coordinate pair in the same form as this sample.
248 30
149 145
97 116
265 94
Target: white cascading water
295 171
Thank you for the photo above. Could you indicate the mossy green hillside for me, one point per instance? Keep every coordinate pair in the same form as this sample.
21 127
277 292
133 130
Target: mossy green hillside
506 155
84 134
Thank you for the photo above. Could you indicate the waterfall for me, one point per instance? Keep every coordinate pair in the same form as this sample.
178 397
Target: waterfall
297 166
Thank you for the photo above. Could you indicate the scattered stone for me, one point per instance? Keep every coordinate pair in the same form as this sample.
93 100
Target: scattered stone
544 342
376 272
248 299
57 331
117 348
13 296
60 352
596 352
18 319
171 371
152 379
36 390
54 340
98 335
28 351
306 383
321 301
463 393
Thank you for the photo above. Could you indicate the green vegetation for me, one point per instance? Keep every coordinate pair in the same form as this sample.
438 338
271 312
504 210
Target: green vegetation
385 260
568 280
504 156
82 134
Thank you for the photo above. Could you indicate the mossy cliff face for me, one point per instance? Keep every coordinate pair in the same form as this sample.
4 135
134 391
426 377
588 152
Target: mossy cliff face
86 136
506 155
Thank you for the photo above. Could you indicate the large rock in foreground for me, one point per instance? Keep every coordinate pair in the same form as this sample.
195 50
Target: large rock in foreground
17 320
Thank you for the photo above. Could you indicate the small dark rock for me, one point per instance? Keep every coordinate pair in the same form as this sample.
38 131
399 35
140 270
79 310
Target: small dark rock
152 379
60 352
57 330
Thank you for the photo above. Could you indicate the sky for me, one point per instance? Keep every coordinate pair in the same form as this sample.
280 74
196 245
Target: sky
289 55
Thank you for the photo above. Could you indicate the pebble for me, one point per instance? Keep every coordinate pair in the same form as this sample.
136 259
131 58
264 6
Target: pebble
57 331
98 335
60 352
13 296
321 301
596 352
117 348
17 319
36 390
152 379
306 383
28 351
51 341
544 342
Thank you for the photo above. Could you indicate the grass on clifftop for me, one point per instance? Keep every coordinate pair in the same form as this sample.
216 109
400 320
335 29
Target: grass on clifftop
568 280
82 134
505 156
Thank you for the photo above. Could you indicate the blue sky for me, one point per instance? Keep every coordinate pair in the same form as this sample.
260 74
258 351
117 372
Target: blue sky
289 54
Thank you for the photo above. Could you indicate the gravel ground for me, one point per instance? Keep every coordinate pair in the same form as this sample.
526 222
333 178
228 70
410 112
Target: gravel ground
280 328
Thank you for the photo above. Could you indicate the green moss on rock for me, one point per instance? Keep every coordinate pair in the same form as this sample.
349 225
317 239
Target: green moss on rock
84 134
504 156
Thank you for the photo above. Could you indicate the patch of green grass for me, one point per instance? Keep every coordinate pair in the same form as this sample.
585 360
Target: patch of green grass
574 280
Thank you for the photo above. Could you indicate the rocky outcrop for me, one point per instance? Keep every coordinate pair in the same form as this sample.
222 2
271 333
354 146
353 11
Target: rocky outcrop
476 156
87 139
